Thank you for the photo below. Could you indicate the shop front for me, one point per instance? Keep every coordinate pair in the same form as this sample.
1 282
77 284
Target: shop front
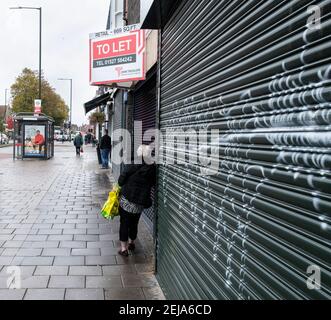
250 79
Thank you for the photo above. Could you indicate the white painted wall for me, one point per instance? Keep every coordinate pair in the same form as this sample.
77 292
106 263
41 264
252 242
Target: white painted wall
144 8
116 13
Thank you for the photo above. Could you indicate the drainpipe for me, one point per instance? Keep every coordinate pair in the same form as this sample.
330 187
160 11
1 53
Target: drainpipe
125 11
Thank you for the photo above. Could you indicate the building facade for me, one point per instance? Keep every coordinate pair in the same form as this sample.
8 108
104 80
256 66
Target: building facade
240 92
134 109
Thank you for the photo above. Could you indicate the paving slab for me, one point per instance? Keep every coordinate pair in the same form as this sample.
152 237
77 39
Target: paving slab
24 271
139 280
104 282
12 244
11 294
49 231
74 231
61 237
44 294
9 252
6 261
6 237
100 244
37 261
69 261
36 238
144 268
40 244
35 282
153 293
124 294
86 237
109 251
86 252
73 244
85 271
67 282
51 270
29 252
100 260
84 294
56 252
118 270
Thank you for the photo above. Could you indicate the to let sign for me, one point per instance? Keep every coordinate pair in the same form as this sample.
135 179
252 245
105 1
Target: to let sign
117 55
37 106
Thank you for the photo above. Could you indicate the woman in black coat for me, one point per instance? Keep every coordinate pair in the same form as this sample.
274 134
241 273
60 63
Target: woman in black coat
136 182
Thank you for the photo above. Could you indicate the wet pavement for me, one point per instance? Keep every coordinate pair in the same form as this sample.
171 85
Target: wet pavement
51 232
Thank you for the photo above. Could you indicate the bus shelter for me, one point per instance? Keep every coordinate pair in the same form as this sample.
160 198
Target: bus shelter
33 136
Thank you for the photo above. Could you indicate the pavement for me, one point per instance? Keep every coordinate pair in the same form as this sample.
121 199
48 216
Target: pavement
54 244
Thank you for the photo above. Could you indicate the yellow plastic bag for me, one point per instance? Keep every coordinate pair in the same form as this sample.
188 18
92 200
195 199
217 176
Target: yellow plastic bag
111 207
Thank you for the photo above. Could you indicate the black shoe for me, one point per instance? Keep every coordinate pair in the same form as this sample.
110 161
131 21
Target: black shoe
124 253
131 247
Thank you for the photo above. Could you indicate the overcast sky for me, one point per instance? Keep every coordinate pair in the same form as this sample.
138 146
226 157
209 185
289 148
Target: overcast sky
65 52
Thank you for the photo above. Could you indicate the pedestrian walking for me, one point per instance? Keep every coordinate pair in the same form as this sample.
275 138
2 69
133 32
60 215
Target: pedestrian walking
105 148
89 136
78 143
136 183
94 140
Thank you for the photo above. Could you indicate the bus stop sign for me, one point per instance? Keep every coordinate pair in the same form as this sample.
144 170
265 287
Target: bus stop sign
37 106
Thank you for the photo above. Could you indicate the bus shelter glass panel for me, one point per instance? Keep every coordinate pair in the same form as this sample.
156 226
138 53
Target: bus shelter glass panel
18 139
34 141
50 141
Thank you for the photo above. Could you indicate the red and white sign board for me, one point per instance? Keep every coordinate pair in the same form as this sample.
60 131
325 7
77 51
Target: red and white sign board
117 55
37 106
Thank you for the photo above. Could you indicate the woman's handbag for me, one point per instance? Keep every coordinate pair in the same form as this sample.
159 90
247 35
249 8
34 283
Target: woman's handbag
111 207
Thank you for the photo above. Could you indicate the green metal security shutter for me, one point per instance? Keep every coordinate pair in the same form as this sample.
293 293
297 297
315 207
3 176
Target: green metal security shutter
253 70
145 111
145 108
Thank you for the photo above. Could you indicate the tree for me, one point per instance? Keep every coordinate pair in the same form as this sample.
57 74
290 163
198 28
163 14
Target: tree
25 90
97 117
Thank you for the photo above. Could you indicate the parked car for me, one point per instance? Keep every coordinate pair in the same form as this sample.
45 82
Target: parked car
4 139
57 135
73 135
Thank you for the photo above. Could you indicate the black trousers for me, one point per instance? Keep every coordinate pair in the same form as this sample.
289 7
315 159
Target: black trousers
128 225
78 150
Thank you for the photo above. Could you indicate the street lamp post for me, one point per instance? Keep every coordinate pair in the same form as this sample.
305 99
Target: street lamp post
6 102
40 25
70 110
4 117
